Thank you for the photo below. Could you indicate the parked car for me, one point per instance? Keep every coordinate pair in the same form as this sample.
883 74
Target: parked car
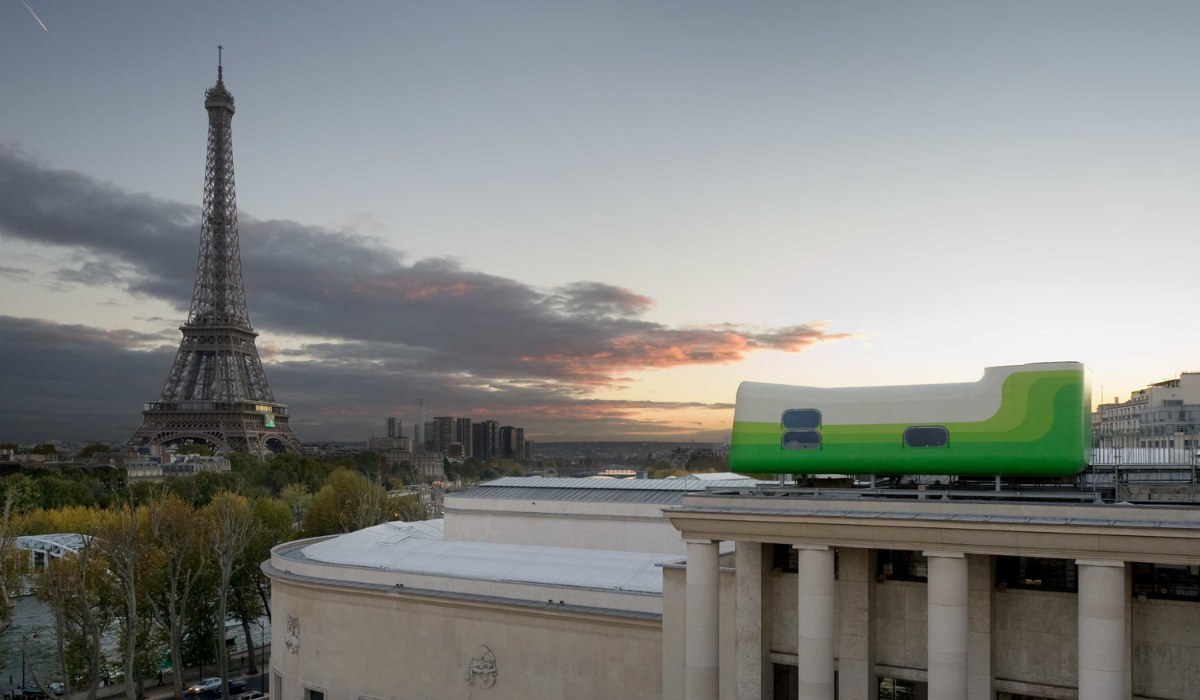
252 695
205 685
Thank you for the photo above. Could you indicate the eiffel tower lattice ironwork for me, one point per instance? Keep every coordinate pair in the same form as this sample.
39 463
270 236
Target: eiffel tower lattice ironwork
217 392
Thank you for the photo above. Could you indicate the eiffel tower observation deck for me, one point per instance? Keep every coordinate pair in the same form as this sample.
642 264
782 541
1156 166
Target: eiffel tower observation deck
216 392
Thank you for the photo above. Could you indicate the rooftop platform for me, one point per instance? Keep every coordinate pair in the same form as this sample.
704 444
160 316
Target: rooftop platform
660 491
418 549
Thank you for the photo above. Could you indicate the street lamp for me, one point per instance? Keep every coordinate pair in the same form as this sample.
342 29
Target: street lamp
262 653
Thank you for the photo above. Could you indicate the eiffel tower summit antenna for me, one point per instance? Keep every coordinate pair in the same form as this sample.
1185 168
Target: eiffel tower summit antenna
217 391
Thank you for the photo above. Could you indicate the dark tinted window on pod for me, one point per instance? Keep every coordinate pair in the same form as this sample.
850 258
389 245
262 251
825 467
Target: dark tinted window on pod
801 440
935 436
802 419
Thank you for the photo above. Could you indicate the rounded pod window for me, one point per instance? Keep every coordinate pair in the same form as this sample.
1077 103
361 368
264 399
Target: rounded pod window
926 436
801 419
801 440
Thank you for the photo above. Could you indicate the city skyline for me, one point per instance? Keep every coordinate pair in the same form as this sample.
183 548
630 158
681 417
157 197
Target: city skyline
737 198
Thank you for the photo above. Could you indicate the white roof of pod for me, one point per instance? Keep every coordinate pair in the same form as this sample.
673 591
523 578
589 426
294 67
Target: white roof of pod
866 405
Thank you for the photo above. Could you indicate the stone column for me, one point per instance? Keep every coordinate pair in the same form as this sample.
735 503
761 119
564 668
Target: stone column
816 606
981 575
856 678
753 627
702 653
1103 659
947 625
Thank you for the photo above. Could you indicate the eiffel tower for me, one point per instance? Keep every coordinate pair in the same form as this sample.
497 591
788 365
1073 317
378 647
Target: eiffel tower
217 392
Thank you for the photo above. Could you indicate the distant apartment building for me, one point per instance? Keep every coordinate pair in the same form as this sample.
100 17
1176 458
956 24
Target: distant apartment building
1164 414
143 470
512 442
485 439
427 437
529 449
155 468
394 427
443 433
517 447
506 442
428 464
385 444
462 435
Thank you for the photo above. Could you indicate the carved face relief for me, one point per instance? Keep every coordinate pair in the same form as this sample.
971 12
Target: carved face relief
292 640
483 669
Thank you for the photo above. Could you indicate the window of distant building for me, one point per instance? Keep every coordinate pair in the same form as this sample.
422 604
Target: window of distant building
900 689
1166 581
1032 573
901 565
787 682
313 693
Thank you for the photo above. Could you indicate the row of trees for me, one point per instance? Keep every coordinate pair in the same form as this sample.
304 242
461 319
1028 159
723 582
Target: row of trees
168 564
56 488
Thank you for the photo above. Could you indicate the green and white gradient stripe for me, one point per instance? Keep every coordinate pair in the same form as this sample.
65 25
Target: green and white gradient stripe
1042 427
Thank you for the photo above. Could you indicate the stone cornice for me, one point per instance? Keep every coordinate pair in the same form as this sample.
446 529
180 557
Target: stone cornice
927 527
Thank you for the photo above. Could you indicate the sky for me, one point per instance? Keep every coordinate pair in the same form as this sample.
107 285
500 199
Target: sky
596 219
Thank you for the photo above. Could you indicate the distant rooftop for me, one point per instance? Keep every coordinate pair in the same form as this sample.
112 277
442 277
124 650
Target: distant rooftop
664 491
717 476
418 548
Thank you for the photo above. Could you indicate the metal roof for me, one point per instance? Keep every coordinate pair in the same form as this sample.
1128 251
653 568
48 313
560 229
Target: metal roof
273 572
57 543
533 488
392 547
531 493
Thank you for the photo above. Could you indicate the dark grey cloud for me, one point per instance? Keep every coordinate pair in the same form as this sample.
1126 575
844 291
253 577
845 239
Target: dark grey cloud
74 381
93 273
16 273
421 318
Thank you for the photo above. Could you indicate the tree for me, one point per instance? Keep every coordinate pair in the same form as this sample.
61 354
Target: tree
193 449
276 527
344 502
298 499
124 541
10 569
55 585
182 544
232 526
94 600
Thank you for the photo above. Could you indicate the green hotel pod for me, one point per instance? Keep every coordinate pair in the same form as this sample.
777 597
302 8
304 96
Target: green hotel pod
1020 420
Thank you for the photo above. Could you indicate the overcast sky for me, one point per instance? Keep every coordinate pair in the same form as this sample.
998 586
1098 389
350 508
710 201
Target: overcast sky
595 220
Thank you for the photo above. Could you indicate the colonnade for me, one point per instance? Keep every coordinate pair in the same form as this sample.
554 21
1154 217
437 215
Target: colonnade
1103 657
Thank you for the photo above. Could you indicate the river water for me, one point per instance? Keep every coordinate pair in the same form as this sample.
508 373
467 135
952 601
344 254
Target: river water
29 612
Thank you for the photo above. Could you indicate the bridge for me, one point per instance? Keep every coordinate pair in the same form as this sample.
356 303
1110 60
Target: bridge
55 545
